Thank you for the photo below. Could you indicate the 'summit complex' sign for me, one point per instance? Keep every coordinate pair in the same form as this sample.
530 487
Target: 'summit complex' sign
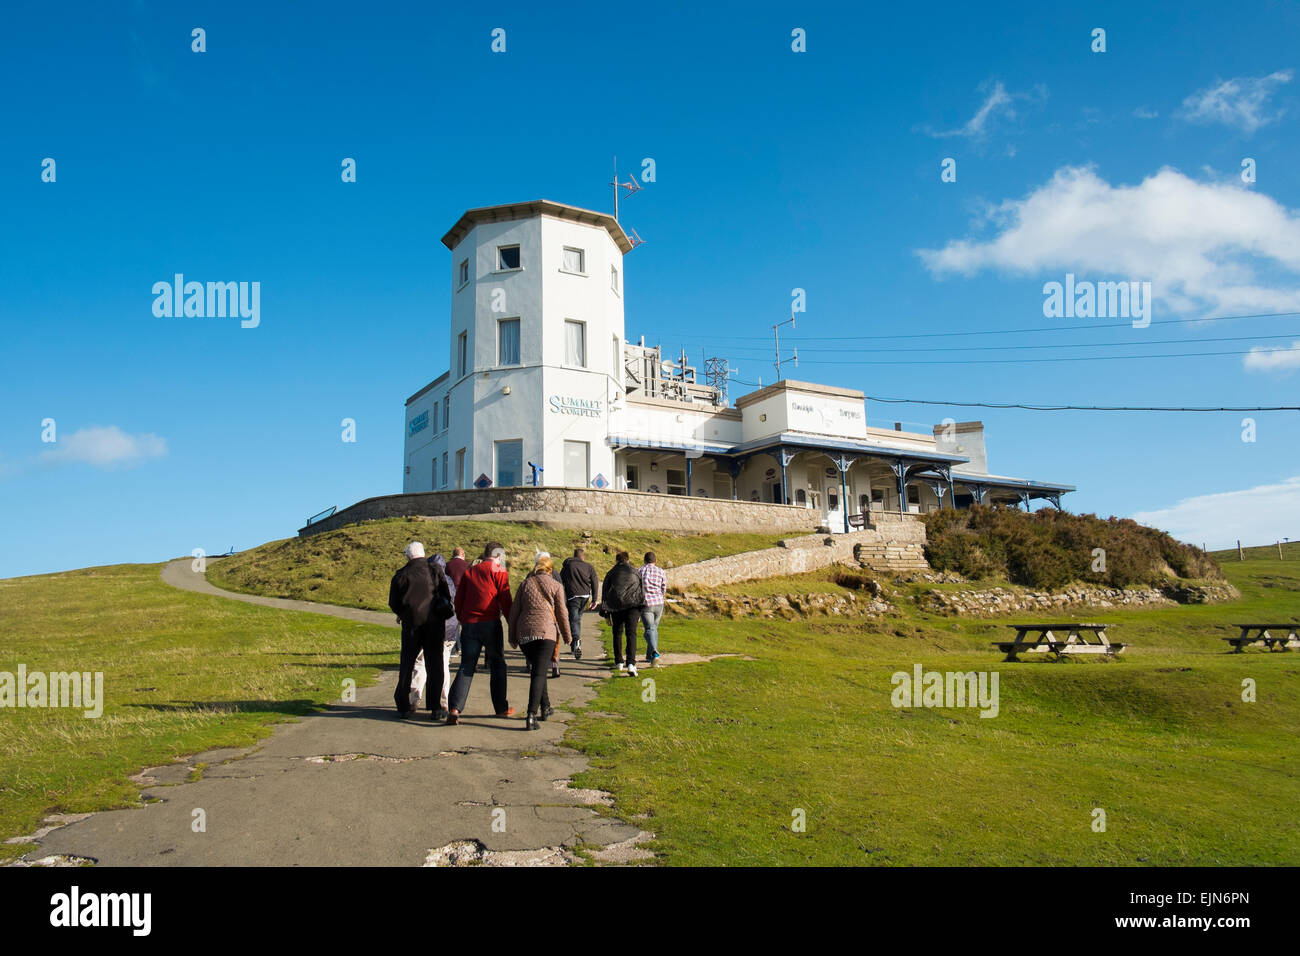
565 405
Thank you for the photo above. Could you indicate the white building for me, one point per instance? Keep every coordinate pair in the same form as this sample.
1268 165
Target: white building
545 387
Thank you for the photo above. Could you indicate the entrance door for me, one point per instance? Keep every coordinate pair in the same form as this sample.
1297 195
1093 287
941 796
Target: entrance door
834 512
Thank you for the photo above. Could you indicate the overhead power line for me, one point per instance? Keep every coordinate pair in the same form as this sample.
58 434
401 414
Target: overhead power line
1087 408
1035 330
1029 361
1072 345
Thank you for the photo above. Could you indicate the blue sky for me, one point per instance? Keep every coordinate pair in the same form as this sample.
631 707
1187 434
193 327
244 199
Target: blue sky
775 170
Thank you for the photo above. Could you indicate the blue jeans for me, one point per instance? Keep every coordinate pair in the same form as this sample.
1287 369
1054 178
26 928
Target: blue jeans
650 615
489 637
576 606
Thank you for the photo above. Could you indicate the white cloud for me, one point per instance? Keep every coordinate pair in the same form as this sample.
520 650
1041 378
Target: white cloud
1259 515
104 447
1241 102
1199 243
1264 358
997 103
1143 112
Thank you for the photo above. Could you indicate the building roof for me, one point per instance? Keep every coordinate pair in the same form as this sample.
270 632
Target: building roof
530 210
790 385
426 388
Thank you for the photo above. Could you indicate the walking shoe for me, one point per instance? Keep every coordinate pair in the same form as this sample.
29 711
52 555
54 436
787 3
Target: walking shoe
631 670
546 712
508 712
555 669
655 662
622 668
438 715
530 723
577 651
453 717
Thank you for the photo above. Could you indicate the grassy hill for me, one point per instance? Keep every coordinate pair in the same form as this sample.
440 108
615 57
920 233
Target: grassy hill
353 565
723 753
183 673
1160 739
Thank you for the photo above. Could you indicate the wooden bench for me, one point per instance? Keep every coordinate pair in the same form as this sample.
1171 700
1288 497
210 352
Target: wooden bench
1261 634
1058 640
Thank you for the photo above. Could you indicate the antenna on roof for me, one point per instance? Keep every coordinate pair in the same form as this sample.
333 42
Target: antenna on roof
633 238
776 334
632 186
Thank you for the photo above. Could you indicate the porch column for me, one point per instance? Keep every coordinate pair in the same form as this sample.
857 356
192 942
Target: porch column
939 488
1024 498
977 492
844 463
945 472
733 468
899 467
1055 499
786 458
688 476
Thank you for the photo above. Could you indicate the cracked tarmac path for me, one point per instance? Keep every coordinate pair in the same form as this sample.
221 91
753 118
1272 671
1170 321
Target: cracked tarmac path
355 785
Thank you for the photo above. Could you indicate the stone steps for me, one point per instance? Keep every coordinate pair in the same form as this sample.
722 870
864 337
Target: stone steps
891 557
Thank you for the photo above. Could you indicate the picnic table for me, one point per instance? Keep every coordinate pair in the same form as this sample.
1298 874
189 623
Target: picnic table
1058 639
1252 634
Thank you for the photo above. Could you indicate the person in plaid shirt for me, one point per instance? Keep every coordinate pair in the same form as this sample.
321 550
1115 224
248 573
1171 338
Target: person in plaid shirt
654 582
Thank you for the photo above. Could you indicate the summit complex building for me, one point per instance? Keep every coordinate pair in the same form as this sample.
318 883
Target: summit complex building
546 389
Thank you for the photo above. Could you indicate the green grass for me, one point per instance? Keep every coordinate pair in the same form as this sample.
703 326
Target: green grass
183 673
353 565
1187 773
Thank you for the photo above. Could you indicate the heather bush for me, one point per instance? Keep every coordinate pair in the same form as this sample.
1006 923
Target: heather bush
1050 549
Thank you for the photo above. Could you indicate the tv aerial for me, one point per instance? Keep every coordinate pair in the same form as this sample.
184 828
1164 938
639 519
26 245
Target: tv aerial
632 186
776 335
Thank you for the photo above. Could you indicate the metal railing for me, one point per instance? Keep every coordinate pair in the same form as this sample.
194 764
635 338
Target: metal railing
324 514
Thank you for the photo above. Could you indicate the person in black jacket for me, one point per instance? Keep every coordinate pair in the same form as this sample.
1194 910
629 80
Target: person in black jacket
580 592
624 598
412 596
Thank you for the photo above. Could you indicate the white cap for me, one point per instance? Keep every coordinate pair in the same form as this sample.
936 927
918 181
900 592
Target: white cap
414 550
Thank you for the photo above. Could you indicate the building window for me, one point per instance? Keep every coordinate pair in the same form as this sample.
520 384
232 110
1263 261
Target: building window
508 342
575 343
801 497
913 495
575 261
676 481
446 414
433 479
434 416
877 499
613 278
617 367
507 258
462 274
633 478
444 469
460 468
510 463
864 504
462 353
577 464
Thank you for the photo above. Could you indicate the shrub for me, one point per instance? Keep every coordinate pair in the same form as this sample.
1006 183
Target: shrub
1049 549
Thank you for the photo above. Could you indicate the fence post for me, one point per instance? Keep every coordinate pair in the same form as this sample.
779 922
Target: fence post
1240 556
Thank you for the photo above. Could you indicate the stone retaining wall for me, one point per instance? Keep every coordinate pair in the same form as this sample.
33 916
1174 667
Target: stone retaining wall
793 556
994 601
579 507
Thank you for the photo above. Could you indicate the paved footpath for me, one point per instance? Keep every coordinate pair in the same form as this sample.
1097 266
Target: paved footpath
355 785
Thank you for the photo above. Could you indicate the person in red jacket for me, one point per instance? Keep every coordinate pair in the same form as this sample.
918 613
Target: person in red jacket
482 600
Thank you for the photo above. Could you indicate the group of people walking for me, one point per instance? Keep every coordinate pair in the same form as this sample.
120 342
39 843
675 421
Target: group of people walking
441 604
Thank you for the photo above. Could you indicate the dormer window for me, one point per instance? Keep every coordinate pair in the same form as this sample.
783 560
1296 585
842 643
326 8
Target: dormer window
507 258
